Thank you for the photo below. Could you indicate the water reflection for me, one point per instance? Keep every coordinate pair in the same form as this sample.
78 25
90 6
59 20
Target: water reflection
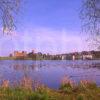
96 65
50 72
23 67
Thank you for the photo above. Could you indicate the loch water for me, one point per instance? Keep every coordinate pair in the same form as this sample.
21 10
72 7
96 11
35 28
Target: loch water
50 72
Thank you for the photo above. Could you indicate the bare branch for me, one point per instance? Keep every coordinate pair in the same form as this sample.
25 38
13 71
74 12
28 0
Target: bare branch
8 9
90 16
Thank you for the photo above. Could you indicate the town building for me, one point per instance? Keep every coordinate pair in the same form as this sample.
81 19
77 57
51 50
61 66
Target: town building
87 55
18 54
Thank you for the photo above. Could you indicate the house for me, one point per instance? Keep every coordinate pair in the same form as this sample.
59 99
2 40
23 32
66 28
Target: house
87 55
63 57
18 54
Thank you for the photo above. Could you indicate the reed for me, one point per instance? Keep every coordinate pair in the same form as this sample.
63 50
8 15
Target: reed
27 89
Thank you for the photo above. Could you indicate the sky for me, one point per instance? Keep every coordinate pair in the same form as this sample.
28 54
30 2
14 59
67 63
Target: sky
47 26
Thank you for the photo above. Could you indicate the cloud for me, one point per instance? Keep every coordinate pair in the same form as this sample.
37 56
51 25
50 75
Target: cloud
49 40
44 40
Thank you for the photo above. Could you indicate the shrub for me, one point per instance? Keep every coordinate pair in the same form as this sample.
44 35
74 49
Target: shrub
86 84
66 85
80 97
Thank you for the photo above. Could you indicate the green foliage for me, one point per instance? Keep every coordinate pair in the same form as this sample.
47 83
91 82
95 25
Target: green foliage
66 88
80 97
66 92
85 85
21 94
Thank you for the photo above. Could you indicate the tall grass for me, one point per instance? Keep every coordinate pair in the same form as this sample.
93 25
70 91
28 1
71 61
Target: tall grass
27 89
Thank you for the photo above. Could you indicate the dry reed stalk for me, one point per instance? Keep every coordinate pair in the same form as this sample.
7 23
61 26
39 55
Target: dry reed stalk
5 84
67 80
26 83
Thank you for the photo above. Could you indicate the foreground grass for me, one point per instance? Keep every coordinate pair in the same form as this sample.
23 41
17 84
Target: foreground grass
85 90
48 94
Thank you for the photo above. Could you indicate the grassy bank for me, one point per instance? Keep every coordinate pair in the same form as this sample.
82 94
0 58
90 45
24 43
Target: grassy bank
68 90
6 58
48 94
25 58
13 58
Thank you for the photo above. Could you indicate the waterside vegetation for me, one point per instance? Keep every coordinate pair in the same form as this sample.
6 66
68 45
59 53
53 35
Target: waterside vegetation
29 90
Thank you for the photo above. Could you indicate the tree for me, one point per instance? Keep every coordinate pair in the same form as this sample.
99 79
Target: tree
90 15
8 10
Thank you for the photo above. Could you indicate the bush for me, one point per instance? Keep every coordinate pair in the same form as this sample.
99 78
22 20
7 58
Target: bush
66 88
66 85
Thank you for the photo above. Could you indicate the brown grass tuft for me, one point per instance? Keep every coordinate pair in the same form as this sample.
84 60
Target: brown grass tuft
67 80
5 84
26 83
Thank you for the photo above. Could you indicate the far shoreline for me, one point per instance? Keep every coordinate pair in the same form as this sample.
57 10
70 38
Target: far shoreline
13 58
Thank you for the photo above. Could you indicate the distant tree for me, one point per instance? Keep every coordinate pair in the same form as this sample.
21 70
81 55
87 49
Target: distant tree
90 15
8 10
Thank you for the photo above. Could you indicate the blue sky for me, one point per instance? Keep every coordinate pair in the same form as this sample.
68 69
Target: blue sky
48 26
